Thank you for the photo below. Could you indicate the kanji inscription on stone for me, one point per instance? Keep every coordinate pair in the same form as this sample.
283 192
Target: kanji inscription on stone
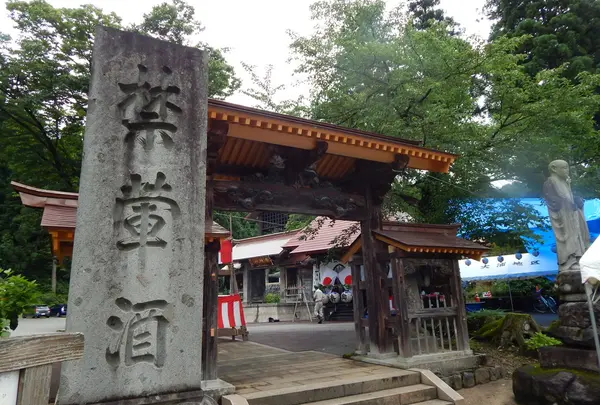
145 109
142 206
140 331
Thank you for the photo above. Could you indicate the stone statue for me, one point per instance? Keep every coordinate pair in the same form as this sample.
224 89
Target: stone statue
569 226
572 240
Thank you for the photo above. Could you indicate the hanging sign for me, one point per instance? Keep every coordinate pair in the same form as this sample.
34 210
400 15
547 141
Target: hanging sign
260 261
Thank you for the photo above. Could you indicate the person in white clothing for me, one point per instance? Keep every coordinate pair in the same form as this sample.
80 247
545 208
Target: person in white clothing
318 297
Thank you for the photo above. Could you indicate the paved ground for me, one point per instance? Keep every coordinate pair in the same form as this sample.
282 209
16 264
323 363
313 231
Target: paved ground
333 338
544 319
493 393
31 326
253 367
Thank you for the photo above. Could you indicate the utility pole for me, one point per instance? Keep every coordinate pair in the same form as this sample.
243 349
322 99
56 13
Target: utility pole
54 262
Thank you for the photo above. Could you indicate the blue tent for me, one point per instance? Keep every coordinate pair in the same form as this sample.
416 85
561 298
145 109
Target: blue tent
541 262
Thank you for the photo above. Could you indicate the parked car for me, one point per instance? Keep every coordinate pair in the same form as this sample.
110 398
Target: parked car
58 310
36 311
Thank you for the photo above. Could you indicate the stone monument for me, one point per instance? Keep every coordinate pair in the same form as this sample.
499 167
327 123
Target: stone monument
137 272
560 380
572 240
570 230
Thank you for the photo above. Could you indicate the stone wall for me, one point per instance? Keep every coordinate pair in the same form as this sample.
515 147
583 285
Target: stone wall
260 313
478 376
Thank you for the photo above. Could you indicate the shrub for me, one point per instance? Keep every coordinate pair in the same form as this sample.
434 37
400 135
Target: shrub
540 340
271 298
52 299
16 293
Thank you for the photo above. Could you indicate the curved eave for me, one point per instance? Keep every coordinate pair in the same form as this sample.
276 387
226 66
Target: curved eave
260 126
472 253
467 252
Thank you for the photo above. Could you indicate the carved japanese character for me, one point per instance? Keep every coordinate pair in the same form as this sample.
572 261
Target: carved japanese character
146 109
140 331
142 212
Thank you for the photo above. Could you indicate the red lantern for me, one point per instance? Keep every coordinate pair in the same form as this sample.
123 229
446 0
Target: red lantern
327 281
348 280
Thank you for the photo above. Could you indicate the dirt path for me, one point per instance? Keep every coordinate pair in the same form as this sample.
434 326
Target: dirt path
494 393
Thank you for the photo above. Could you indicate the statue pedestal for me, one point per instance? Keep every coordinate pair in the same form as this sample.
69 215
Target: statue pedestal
568 357
570 287
575 327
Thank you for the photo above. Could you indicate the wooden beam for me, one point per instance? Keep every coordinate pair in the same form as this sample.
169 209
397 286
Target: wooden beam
400 300
351 252
216 138
377 294
210 299
257 196
358 306
31 351
299 166
34 385
462 338
378 175
434 312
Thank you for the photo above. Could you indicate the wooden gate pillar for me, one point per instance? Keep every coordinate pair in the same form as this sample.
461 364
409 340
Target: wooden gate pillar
462 332
375 279
400 303
211 298
358 306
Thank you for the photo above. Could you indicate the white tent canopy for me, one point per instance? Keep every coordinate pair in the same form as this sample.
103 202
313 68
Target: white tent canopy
590 264
525 265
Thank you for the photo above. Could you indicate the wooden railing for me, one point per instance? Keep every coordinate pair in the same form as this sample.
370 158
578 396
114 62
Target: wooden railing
433 330
26 365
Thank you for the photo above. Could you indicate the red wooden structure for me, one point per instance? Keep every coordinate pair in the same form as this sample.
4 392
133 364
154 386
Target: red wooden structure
230 317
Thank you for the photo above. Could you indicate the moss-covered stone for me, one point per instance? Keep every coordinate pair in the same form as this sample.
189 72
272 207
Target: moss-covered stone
513 328
534 385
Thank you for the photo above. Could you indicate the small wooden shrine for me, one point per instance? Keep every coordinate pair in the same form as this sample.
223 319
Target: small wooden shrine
419 313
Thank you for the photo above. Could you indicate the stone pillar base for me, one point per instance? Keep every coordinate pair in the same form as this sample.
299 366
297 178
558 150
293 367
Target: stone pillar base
570 287
575 326
188 398
212 391
568 357
217 388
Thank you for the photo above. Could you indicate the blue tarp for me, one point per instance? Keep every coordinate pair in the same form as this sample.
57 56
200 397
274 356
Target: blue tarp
540 261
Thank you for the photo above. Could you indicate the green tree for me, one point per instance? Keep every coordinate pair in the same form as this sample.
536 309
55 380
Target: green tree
298 221
559 32
426 13
176 22
44 76
559 35
371 71
266 94
237 223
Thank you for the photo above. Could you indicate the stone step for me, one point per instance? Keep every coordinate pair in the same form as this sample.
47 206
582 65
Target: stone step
434 402
413 394
334 388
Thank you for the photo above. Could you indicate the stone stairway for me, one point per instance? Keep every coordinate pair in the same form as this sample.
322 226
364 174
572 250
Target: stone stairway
322 380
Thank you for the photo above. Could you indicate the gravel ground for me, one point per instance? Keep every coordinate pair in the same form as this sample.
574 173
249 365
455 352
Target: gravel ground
493 393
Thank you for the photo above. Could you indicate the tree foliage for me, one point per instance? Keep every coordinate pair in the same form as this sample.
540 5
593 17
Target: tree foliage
426 13
374 70
16 293
44 76
559 32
